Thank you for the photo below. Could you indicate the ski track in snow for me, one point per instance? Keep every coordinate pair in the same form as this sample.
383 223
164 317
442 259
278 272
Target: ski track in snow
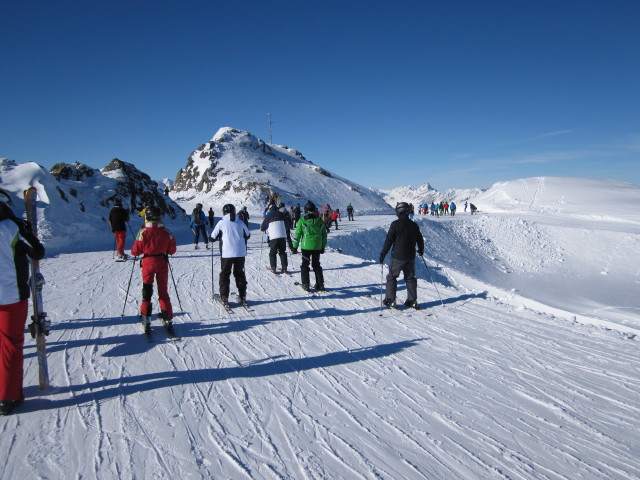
316 387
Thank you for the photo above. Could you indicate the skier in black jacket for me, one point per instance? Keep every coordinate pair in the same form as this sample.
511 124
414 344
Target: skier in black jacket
118 218
404 234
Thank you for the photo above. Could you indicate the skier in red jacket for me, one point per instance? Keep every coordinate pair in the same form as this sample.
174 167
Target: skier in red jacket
155 243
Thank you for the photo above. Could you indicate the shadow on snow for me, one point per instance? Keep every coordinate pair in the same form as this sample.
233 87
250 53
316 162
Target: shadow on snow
112 388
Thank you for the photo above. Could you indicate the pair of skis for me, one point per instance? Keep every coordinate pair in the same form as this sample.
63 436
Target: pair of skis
312 291
39 326
279 273
228 307
168 326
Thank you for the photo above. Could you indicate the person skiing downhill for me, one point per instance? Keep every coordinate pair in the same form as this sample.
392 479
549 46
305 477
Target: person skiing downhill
277 226
311 237
233 235
155 243
404 235
118 218
17 242
198 225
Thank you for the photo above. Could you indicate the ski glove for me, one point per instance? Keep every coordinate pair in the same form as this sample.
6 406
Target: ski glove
381 258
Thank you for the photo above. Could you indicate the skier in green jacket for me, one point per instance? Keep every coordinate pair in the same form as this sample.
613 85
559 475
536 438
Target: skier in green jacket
311 236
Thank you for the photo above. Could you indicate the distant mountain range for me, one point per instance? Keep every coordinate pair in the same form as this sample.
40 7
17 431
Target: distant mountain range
427 194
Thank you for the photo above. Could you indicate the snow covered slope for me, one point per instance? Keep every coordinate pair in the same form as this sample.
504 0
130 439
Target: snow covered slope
576 197
319 387
236 167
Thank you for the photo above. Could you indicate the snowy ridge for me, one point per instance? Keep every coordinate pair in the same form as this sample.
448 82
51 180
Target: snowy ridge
74 212
236 167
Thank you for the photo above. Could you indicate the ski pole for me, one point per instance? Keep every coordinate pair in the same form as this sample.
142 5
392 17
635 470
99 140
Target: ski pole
431 279
131 231
381 283
261 245
129 285
213 286
174 284
114 248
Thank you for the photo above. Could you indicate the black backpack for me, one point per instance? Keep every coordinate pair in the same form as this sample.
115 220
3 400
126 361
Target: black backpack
197 218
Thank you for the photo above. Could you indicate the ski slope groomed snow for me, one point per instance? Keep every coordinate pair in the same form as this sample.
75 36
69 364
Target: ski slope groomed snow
503 380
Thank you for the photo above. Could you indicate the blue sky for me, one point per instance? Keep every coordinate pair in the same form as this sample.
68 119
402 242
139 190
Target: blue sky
457 93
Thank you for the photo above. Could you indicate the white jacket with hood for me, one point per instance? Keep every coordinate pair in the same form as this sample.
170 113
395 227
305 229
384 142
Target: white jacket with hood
233 235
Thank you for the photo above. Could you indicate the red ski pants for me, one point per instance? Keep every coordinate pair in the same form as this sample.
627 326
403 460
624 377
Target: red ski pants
158 268
13 318
120 238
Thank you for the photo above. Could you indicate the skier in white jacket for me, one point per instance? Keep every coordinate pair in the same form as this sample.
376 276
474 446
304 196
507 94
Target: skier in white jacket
233 235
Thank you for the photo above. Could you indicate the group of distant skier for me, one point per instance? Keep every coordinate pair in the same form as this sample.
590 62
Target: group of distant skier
284 227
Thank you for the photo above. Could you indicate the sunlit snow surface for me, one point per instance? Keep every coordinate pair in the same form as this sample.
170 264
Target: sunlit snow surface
528 366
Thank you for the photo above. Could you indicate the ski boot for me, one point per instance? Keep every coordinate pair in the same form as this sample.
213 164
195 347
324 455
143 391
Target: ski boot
412 304
145 322
163 317
389 303
8 406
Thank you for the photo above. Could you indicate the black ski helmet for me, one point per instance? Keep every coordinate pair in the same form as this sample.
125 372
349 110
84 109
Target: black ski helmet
402 208
153 213
117 202
228 208
309 207
199 206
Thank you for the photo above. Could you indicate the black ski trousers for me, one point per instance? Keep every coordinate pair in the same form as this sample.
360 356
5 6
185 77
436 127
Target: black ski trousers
197 229
408 268
236 265
278 246
313 257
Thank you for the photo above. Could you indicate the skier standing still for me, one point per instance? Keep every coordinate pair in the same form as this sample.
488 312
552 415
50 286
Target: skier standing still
17 242
404 235
350 212
233 235
155 243
311 236
276 223
198 225
118 218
